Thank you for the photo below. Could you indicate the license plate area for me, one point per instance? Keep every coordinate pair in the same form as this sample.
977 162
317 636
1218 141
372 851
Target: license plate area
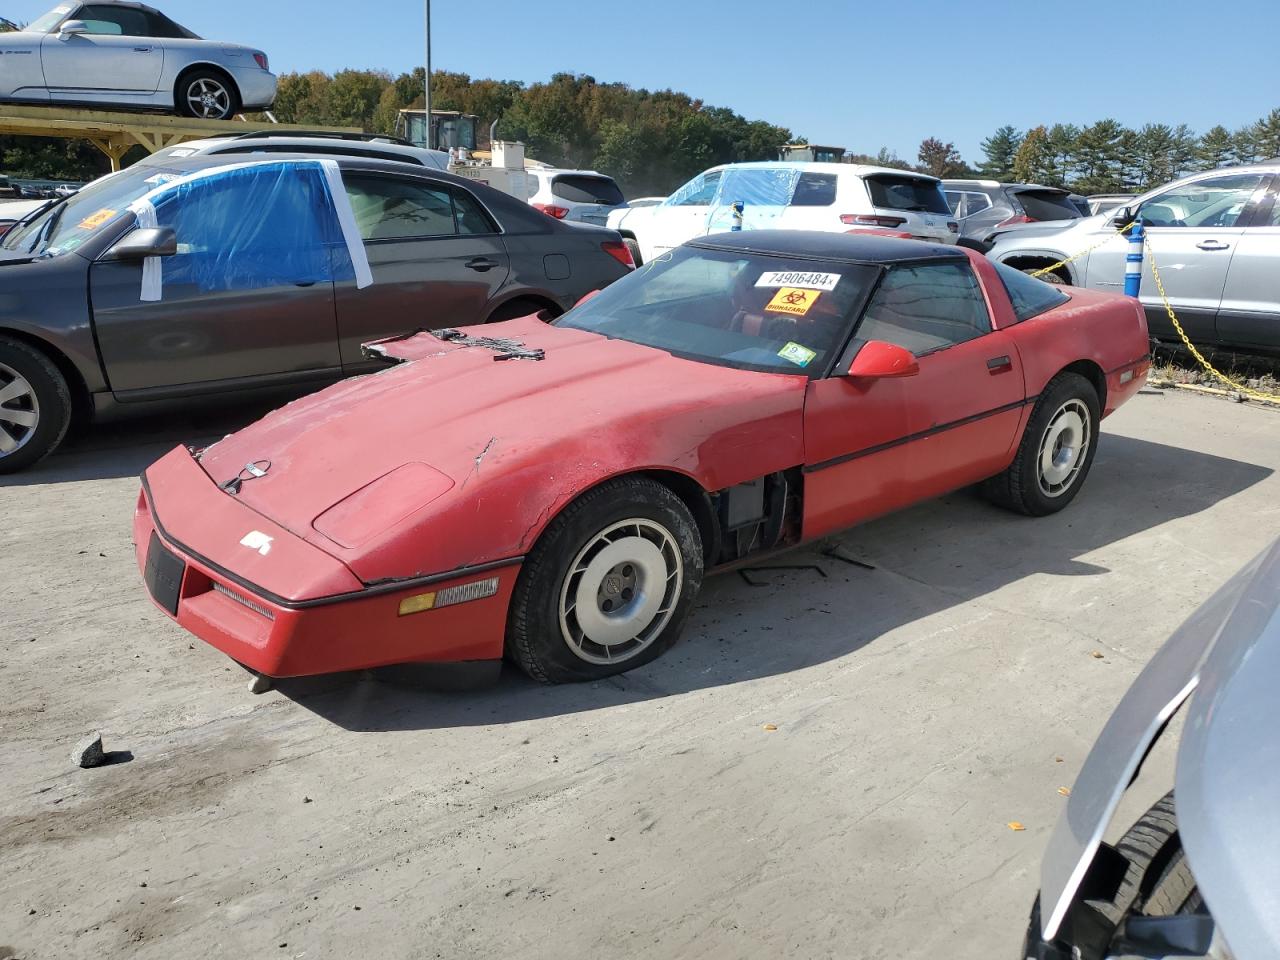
163 575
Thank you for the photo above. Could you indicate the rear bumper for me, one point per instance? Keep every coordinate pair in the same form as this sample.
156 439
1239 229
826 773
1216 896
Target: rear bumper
302 634
257 87
1124 381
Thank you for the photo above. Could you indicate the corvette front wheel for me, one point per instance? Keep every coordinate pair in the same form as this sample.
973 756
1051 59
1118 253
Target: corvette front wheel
609 584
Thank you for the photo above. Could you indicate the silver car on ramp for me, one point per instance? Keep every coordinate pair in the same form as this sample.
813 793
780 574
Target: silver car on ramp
1202 878
120 54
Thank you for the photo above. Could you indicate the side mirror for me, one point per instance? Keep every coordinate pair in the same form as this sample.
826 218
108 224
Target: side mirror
878 360
1122 216
152 242
73 28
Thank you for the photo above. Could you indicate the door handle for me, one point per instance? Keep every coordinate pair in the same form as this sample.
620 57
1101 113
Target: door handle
141 49
1212 245
480 263
999 365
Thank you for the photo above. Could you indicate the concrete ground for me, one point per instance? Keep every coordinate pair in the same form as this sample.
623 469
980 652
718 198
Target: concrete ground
920 707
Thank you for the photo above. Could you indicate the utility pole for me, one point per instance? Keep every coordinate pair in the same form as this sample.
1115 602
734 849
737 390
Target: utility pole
427 77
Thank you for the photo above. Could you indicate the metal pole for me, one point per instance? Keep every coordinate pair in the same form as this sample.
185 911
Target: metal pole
427 77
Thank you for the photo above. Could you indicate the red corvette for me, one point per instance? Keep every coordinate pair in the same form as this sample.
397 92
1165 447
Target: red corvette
558 491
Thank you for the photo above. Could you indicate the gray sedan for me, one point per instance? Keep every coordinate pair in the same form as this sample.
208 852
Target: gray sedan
129 55
1215 237
186 277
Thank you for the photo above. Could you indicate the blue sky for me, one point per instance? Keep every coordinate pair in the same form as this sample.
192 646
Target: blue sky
859 75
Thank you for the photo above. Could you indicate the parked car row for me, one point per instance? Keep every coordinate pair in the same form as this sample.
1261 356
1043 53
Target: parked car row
983 207
253 287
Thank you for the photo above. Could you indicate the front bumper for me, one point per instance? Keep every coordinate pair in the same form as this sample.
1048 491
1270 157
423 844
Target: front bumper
306 613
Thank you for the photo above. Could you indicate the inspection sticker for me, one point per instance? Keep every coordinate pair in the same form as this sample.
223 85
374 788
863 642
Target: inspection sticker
785 278
797 353
793 300
160 178
96 219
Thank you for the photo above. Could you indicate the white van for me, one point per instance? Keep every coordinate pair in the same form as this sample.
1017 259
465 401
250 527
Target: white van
835 197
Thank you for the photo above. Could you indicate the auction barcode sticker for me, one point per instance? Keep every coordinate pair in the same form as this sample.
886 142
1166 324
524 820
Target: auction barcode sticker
814 281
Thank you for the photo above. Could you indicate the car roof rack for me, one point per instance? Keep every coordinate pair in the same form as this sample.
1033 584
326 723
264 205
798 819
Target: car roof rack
327 135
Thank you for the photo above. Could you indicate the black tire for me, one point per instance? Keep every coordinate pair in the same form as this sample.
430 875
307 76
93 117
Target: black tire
634 249
1019 488
47 398
223 106
1158 881
536 638
520 307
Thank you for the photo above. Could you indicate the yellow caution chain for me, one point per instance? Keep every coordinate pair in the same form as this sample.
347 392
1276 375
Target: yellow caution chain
1241 388
1087 250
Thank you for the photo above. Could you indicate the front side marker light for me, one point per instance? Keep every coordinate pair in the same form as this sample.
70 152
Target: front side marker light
476 590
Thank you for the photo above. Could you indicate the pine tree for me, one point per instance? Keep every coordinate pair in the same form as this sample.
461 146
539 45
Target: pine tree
1099 154
1154 155
1000 149
1244 145
1266 135
1062 150
1215 148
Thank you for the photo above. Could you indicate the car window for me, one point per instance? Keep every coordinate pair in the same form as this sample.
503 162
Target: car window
698 192
1030 297
976 203
117 21
393 209
954 200
1047 205
1214 202
158 25
926 307
815 190
732 308
577 188
894 192
472 218
249 229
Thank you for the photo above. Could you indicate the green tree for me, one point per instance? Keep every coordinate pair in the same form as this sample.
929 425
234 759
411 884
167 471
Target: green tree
940 159
1098 157
1062 153
1154 154
1266 135
1244 145
1215 149
1034 159
1000 149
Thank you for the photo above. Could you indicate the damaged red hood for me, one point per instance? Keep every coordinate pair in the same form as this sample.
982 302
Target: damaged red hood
512 437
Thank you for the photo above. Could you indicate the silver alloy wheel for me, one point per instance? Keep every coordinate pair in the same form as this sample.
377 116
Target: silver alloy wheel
19 411
621 591
208 99
1063 448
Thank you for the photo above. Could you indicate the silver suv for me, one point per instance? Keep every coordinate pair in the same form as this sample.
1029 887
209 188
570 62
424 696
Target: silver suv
1215 237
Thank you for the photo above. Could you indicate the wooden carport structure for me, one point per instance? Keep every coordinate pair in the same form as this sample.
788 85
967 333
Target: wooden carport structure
115 134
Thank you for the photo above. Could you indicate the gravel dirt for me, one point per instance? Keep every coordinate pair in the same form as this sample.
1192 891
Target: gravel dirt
823 767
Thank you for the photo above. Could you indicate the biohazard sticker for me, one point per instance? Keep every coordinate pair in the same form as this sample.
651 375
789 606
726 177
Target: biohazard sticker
793 300
797 353
97 219
791 278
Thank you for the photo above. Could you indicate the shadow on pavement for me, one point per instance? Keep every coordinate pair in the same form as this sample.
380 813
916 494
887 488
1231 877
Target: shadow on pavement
926 560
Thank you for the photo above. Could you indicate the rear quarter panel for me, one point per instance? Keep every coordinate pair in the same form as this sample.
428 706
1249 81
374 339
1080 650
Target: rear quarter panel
1106 329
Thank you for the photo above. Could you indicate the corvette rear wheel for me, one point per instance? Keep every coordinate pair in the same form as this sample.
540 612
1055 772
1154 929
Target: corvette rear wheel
609 584
1056 451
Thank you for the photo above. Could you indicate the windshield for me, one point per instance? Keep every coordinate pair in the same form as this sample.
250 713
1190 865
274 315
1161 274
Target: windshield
733 309
45 23
63 227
